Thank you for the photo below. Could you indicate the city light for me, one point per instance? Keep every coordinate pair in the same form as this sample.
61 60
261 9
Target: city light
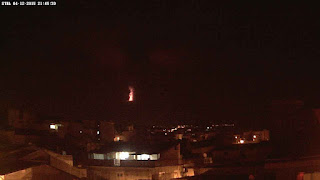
123 155
52 126
241 141
145 156
131 93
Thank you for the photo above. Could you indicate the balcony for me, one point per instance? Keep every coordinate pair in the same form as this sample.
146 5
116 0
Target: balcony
123 163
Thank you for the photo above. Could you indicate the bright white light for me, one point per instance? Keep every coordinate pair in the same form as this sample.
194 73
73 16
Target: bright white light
131 93
145 156
254 136
165 133
80 132
116 139
236 137
241 141
123 155
52 126
98 132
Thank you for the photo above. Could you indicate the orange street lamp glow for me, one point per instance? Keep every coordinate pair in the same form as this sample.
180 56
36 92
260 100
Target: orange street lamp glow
131 93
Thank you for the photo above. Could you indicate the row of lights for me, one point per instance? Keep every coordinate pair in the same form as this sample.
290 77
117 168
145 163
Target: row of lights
241 141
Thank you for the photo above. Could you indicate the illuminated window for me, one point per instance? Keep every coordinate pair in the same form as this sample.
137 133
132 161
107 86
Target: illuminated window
132 157
52 126
98 156
154 157
148 157
122 155
143 157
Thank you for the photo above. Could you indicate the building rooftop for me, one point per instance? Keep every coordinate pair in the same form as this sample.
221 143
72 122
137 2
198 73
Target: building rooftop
138 148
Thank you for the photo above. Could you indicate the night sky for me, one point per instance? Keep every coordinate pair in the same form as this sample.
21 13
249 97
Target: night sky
189 62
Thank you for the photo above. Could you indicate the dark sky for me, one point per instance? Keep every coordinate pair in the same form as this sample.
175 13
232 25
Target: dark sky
194 61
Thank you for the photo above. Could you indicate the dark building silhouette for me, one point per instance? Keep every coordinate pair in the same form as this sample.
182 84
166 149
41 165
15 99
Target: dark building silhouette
291 126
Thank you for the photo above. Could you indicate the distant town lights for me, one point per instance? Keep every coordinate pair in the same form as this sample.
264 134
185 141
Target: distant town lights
145 156
123 155
131 94
52 126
